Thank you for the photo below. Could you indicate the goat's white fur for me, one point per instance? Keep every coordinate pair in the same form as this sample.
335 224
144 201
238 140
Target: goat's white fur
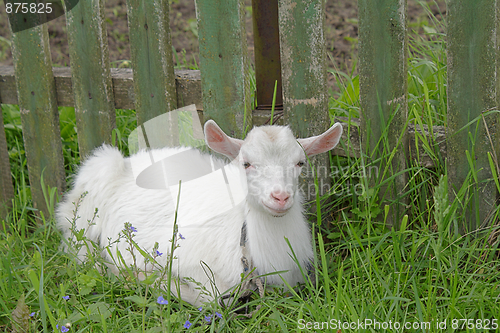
272 208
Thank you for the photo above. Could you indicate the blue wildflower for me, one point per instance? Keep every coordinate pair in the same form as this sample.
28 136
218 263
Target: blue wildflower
66 297
208 319
218 315
62 329
200 309
32 314
187 324
133 229
181 237
158 253
161 300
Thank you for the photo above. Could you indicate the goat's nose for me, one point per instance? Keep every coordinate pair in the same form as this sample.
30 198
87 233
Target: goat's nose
280 197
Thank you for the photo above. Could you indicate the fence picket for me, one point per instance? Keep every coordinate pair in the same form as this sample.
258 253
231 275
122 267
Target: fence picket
152 61
383 90
6 188
92 86
39 114
224 64
303 70
472 89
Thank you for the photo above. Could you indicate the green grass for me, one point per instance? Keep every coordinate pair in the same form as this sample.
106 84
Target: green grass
422 272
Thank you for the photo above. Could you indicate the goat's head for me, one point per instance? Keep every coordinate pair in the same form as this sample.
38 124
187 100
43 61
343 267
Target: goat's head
271 159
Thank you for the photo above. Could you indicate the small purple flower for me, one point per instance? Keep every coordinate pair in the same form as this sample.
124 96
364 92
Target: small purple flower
133 229
66 297
32 314
161 300
187 324
158 253
181 237
62 329
218 315
200 309
208 319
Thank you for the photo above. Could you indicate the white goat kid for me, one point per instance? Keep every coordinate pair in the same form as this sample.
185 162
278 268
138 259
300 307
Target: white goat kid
269 162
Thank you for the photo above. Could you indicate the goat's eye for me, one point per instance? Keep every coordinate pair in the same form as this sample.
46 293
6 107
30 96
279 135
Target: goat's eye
301 164
246 165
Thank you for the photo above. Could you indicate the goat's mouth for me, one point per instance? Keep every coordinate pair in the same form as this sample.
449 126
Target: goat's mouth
276 212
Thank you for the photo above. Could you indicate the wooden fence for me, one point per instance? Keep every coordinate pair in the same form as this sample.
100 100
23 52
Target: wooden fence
153 87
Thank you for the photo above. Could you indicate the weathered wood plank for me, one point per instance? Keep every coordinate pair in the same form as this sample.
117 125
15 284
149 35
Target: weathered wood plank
92 86
188 83
224 64
6 187
123 88
8 89
303 70
472 89
39 114
152 61
303 55
383 90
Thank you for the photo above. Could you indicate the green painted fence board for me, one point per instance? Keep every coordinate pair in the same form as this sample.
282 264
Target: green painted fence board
6 188
305 94
92 86
224 64
39 115
152 61
472 89
383 91
303 57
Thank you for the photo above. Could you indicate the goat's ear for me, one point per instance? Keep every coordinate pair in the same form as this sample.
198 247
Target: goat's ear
218 141
323 142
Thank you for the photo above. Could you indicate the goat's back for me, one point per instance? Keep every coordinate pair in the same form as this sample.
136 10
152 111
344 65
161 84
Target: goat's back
110 183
